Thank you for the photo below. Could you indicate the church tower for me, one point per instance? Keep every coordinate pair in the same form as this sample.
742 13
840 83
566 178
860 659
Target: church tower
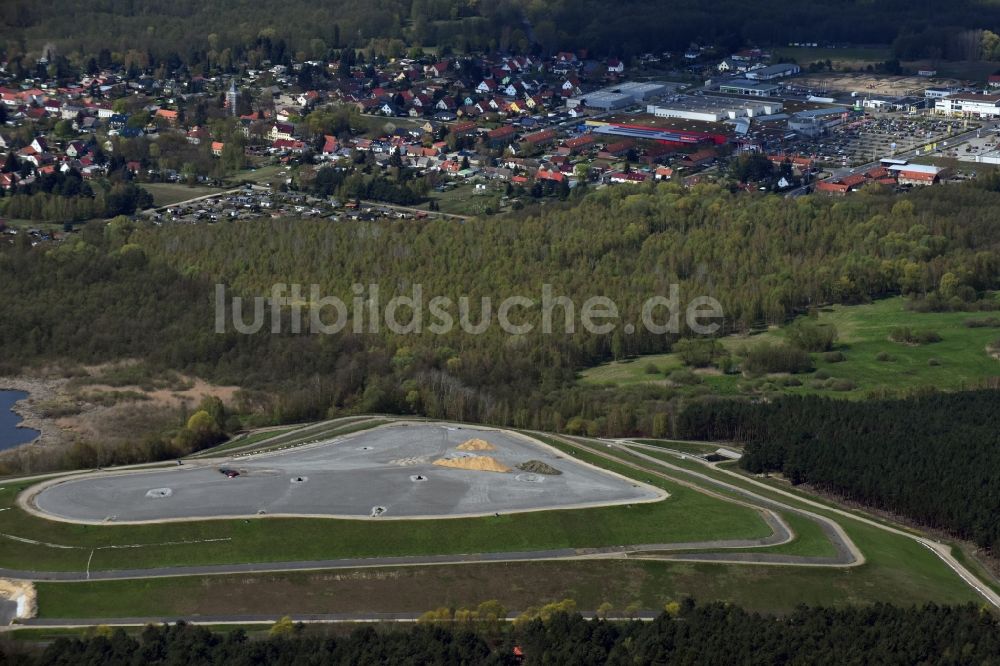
232 97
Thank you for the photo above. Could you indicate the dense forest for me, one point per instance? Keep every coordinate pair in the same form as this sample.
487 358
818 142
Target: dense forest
230 31
932 458
66 196
134 290
712 633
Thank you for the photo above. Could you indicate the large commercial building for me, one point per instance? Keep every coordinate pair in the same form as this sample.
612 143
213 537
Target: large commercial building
773 72
619 96
970 105
749 88
712 109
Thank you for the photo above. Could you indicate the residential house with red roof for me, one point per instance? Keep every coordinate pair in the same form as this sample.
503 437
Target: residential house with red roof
501 136
463 128
439 69
169 115
554 175
699 158
630 177
540 138
330 144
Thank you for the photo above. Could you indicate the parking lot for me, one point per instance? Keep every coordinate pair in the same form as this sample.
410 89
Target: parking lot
874 137
256 202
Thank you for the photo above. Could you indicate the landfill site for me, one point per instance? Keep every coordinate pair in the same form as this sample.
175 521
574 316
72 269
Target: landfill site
404 470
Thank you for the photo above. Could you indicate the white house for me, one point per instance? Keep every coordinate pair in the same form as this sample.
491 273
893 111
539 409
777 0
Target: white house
969 105
281 131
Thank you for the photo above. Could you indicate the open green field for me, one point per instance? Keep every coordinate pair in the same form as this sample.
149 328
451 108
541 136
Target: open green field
466 200
375 126
853 57
873 361
166 194
265 173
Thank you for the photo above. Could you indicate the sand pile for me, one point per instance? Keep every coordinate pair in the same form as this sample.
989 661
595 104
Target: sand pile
21 592
538 467
476 445
477 463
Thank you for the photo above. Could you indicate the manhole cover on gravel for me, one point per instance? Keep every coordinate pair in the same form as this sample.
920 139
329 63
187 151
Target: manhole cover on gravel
418 478
530 478
157 493
299 479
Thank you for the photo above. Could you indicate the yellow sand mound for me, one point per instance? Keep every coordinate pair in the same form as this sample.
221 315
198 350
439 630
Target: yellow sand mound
477 463
476 445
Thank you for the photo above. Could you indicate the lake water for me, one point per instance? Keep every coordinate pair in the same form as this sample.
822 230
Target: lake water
10 434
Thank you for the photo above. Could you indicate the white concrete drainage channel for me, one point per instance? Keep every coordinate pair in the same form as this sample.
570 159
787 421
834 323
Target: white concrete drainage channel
157 493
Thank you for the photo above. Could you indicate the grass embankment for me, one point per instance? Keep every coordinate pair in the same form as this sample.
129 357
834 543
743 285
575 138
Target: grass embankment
292 436
694 448
872 360
646 584
808 540
280 539
897 570
245 441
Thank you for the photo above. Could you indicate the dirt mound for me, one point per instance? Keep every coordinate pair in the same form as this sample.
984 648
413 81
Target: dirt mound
477 463
538 467
476 445
21 592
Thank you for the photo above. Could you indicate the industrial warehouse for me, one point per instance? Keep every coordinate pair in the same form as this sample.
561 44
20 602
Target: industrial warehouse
621 96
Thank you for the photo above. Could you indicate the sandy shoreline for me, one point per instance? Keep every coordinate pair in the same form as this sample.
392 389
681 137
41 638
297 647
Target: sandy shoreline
38 390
